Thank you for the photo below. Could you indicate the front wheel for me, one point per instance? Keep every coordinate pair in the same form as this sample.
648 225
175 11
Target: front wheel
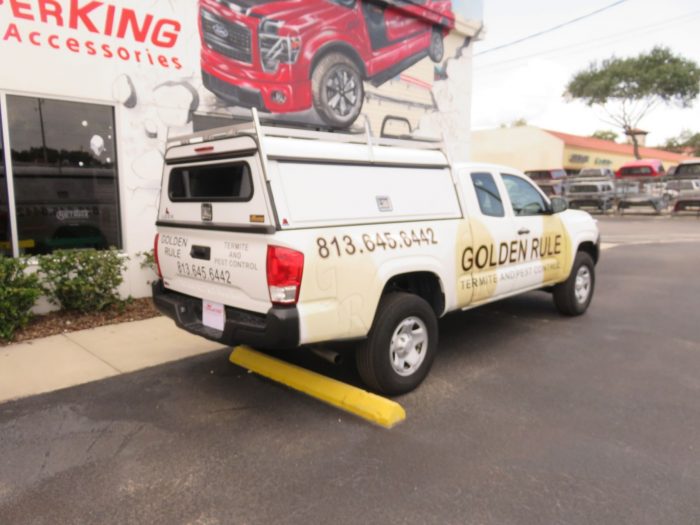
401 345
573 296
337 90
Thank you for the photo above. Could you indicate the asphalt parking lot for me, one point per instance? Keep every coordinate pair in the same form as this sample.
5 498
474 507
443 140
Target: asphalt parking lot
527 417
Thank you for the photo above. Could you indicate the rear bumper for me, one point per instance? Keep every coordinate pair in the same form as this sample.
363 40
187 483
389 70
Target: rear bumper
687 205
278 329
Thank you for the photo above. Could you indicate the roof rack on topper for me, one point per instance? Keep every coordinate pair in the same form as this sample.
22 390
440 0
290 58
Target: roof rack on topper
274 129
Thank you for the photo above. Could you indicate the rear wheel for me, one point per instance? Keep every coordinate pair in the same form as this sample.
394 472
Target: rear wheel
573 296
436 51
401 345
337 90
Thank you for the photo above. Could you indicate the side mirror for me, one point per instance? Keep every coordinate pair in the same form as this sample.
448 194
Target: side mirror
558 205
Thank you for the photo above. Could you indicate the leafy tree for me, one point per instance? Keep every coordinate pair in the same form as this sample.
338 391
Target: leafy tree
629 88
605 134
687 141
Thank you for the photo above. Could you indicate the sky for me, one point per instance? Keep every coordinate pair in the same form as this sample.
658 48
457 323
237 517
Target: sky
527 80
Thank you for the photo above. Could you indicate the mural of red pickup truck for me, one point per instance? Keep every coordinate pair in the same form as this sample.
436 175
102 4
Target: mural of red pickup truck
285 56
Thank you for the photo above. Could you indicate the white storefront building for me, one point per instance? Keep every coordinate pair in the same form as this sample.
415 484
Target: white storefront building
90 91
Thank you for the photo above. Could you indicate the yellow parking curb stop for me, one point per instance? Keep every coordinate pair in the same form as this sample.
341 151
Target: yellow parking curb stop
364 404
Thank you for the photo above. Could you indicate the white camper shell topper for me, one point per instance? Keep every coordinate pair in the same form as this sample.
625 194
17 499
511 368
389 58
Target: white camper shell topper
279 238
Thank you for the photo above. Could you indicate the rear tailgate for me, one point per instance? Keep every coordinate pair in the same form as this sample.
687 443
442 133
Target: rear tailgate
215 222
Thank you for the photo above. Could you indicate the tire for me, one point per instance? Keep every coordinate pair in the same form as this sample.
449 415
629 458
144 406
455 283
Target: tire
573 296
436 51
400 318
337 89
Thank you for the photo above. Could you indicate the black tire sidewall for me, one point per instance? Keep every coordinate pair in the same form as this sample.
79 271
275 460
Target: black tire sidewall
393 309
436 53
318 80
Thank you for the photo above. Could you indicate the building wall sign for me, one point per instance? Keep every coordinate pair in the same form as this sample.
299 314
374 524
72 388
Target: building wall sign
99 29
579 159
316 60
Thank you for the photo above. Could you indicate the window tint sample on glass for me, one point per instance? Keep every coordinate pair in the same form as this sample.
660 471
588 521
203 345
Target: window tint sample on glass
65 174
489 197
526 200
217 183
5 235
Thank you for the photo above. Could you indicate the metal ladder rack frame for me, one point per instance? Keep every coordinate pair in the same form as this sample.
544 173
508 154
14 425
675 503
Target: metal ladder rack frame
261 131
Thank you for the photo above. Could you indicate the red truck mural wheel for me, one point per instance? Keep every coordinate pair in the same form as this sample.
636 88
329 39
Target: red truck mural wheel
337 90
436 51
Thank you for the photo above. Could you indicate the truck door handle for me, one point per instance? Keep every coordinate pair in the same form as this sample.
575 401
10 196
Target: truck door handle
523 231
201 252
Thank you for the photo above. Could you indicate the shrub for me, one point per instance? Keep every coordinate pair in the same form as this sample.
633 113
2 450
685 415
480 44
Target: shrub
83 280
18 293
148 260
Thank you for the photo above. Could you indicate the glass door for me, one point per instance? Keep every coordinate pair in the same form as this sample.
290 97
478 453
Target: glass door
64 170
5 230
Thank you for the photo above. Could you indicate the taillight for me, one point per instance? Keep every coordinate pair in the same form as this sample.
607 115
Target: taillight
155 255
284 271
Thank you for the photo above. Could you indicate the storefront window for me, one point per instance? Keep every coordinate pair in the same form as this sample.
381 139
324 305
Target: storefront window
65 174
5 236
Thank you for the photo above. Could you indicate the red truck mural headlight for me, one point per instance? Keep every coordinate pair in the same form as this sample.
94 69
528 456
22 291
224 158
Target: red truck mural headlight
276 49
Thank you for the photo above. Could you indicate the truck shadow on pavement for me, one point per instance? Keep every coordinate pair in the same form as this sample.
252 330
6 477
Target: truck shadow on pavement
209 386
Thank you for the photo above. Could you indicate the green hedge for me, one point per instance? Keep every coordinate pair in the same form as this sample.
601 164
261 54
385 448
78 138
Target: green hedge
83 280
18 293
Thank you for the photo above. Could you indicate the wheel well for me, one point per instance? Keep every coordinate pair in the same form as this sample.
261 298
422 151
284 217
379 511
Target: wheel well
591 249
338 47
423 284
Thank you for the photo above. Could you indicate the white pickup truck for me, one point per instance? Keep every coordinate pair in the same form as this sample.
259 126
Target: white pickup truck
279 238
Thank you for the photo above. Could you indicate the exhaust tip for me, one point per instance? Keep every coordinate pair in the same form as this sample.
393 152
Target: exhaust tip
330 356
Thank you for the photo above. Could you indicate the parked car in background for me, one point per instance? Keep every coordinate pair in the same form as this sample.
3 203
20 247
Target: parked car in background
642 168
683 186
688 168
551 182
647 193
597 172
590 192
281 56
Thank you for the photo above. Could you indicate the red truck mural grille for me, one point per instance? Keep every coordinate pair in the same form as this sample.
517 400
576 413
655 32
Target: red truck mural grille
231 40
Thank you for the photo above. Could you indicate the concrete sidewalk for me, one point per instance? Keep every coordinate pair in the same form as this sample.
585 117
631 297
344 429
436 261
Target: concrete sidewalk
61 361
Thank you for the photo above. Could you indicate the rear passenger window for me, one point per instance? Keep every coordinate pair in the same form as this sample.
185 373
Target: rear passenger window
219 182
488 195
